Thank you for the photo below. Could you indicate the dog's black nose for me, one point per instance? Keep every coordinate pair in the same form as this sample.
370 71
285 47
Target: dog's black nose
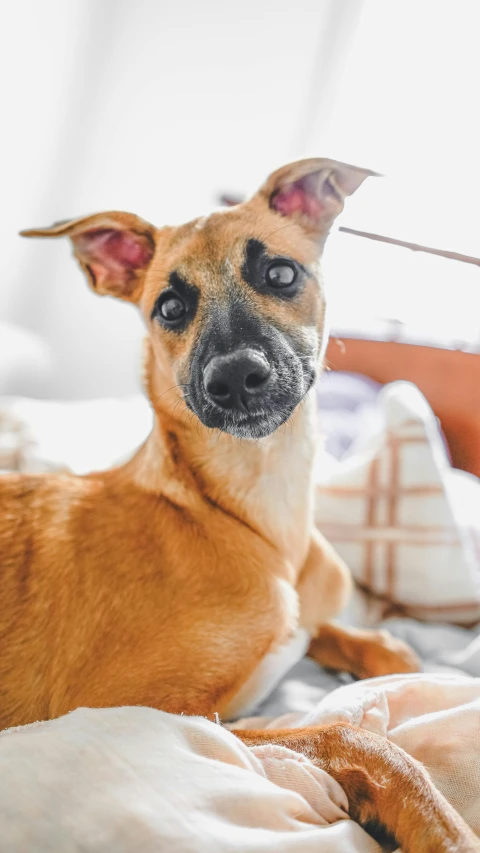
232 380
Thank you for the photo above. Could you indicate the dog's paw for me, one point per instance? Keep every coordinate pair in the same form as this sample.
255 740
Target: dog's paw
383 654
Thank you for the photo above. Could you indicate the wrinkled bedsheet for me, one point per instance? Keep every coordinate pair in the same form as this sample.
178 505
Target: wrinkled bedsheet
127 779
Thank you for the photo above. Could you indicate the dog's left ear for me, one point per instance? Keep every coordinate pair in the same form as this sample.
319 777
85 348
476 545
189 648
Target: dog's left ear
312 192
114 250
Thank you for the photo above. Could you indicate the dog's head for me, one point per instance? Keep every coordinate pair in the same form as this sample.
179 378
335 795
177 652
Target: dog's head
233 302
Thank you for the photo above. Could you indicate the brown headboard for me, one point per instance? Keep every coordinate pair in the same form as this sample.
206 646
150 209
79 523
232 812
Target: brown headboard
449 379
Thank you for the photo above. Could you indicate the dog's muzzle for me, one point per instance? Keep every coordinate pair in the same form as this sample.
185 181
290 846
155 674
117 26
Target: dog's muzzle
247 391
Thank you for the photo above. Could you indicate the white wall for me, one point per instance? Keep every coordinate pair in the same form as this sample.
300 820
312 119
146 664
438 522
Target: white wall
141 105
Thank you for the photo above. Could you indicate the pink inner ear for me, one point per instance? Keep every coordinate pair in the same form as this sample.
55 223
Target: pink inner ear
302 196
115 250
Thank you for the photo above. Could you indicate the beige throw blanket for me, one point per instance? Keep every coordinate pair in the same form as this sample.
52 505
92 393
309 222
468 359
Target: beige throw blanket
129 779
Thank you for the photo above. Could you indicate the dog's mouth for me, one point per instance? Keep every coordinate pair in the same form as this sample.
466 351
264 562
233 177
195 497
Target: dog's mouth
253 425
259 417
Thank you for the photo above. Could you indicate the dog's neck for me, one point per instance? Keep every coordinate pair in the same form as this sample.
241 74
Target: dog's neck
266 484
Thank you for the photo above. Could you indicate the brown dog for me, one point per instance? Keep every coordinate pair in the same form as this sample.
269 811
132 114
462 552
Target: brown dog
192 578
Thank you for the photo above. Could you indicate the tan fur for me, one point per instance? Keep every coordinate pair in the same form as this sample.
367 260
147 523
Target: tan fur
167 581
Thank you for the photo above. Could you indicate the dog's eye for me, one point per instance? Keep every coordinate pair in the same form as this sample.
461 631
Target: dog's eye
281 275
172 308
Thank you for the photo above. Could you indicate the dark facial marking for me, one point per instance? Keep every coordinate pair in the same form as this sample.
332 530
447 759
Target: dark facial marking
277 276
166 310
230 324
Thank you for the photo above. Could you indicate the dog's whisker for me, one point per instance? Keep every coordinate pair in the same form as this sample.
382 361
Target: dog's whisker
217 434
178 385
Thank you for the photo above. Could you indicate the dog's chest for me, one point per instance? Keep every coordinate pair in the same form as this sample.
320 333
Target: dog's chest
268 675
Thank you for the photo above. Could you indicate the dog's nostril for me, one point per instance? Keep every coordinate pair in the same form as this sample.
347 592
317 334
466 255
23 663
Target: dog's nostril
219 390
254 380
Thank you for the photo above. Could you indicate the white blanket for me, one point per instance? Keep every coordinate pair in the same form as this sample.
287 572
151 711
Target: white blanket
130 779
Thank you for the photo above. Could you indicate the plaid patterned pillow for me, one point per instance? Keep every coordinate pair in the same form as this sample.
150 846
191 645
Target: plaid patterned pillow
406 523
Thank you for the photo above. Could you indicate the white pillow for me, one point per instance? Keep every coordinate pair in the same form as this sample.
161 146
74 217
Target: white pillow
406 523
88 435
26 362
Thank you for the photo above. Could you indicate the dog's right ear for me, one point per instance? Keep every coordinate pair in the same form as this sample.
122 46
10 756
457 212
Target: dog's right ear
114 249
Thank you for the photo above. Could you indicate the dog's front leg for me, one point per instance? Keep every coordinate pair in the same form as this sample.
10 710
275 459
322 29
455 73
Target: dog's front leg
323 588
389 793
365 654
